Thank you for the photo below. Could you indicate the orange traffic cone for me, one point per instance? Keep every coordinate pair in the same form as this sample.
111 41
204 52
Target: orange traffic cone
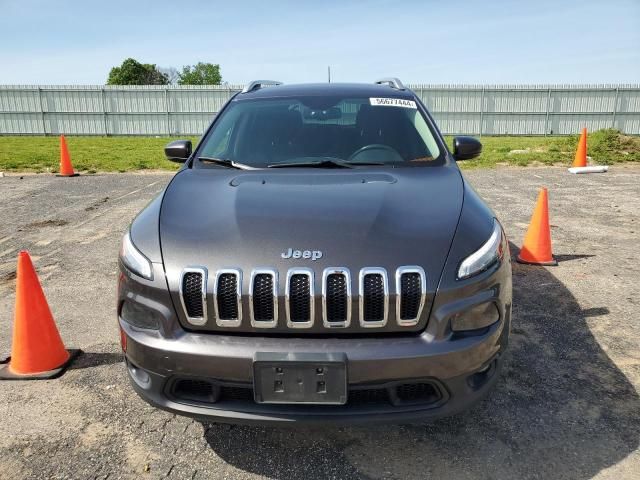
536 249
37 351
580 159
66 169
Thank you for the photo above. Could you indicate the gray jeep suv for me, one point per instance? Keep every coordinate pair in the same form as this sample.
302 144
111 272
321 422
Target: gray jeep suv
318 258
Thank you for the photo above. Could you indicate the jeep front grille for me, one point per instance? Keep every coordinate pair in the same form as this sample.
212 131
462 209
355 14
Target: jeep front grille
373 287
264 298
411 287
193 294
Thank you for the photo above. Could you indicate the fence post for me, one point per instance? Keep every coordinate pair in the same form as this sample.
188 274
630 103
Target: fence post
481 111
546 120
105 123
615 108
44 128
166 105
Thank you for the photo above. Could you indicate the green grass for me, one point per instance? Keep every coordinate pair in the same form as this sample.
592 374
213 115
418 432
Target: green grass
605 147
88 154
123 154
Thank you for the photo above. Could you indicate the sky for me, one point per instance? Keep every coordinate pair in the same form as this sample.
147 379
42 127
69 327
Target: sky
456 41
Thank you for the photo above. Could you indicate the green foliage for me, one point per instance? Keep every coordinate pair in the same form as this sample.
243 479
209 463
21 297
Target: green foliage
132 72
200 74
607 146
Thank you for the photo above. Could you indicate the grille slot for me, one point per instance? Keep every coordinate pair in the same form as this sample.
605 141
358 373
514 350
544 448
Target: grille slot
227 297
416 393
244 394
195 390
264 298
368 396
336 297
374 297
193 287
299 298
410 294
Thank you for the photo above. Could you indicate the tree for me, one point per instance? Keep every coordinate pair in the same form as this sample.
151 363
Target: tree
200 74
132 72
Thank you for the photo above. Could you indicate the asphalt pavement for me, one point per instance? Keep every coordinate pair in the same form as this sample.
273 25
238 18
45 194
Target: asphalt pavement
566 406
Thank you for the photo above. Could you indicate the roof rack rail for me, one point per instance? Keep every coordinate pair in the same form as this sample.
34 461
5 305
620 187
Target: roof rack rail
256 84
392 82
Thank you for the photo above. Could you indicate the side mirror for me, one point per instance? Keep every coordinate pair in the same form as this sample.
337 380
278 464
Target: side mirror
178 151
466 148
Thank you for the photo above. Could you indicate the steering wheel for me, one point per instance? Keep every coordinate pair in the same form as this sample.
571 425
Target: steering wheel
377 152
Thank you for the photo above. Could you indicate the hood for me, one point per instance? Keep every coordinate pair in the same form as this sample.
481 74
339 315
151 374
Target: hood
357 218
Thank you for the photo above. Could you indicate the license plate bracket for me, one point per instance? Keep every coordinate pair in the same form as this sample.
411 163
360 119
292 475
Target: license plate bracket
300 378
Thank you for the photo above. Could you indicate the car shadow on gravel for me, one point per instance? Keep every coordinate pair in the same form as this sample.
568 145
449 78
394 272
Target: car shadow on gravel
562 409
93 359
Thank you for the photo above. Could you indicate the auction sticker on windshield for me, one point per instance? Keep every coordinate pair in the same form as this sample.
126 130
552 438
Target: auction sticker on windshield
392 102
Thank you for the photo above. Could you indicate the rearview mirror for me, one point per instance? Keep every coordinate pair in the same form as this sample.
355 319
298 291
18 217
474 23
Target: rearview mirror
466 148
178 150
333 113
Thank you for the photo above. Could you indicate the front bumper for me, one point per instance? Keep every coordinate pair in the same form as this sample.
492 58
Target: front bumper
456 370
462 371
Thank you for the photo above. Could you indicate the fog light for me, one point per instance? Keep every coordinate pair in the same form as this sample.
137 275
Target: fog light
480 316
140 316
142 378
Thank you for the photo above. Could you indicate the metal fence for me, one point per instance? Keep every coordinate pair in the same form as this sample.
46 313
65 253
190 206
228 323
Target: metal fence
187 110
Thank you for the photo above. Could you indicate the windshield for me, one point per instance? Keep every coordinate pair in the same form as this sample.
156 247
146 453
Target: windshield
318 130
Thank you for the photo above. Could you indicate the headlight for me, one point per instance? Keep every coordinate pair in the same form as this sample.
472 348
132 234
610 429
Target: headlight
134 260
485 256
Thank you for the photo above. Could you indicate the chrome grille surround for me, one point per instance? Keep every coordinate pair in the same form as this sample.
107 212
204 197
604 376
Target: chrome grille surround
228 322
385 286
423 294
198 321
325 275
344 295
274 279
291 323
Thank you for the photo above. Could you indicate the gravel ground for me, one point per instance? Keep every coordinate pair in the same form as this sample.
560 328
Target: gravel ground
566 405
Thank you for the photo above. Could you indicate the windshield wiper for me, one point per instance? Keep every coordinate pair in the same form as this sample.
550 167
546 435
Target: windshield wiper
366 163
320 164
223 162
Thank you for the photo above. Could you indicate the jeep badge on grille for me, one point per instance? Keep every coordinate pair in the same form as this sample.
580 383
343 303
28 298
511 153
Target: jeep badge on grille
312 254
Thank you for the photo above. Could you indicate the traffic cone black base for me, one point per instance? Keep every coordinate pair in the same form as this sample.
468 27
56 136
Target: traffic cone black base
6 374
